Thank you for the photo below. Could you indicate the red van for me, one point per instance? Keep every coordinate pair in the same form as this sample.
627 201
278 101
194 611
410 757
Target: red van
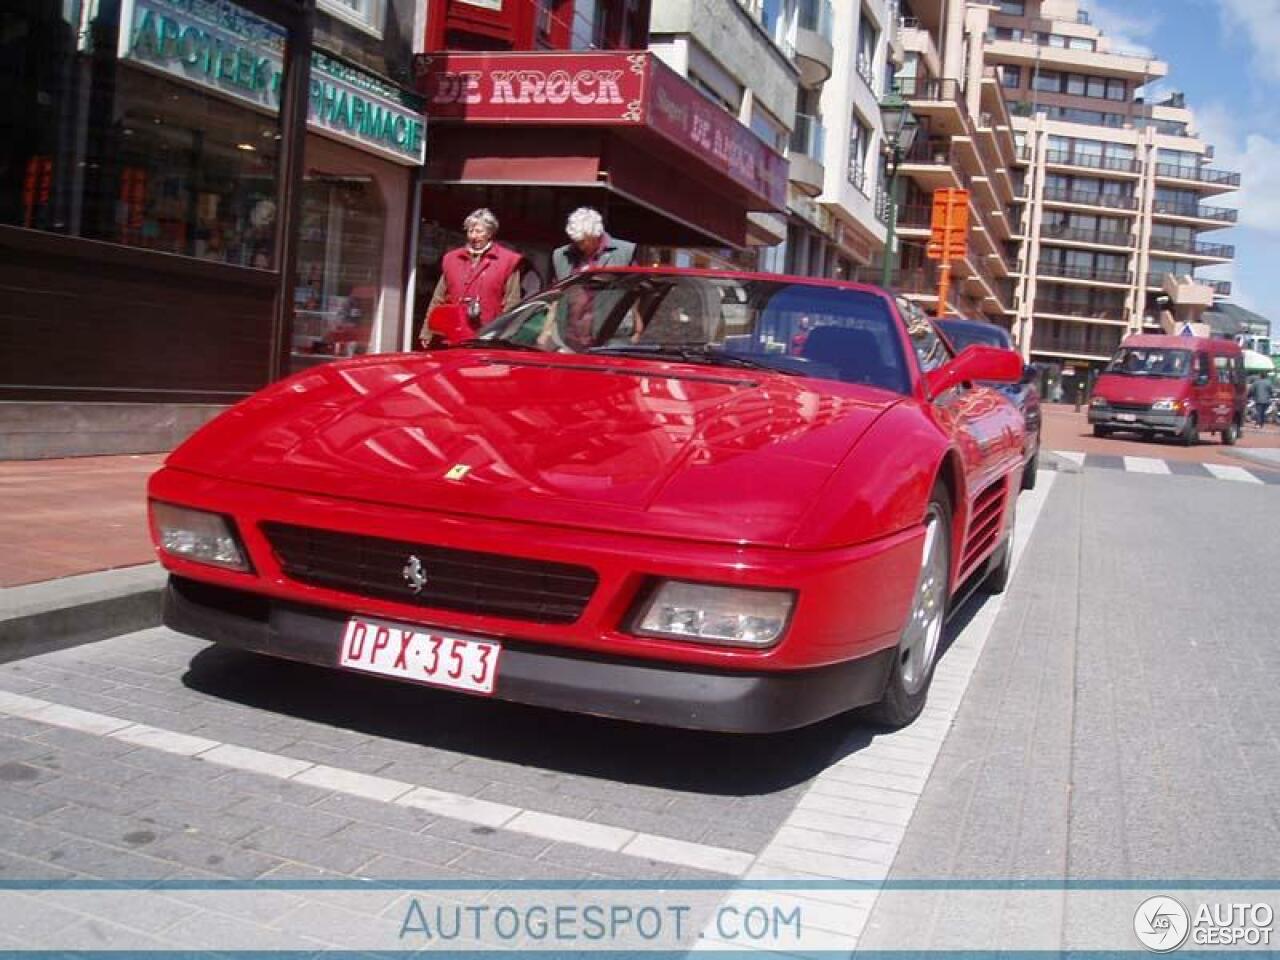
1181 386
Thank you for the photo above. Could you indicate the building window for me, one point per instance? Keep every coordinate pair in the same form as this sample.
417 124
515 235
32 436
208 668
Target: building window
364 13
1117 90
859 142
1014 8
1048 81
1011 76
868 37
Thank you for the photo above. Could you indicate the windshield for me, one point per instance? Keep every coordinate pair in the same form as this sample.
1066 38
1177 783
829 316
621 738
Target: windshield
968 335
1151 362
791 328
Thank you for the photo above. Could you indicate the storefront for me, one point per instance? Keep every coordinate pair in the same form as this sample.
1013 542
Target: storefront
533 135
196 197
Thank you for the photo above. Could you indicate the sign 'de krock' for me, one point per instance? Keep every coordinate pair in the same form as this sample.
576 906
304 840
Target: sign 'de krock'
216 45
614 88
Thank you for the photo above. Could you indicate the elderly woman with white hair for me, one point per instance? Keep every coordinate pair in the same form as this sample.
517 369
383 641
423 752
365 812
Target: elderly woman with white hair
482 277
589 246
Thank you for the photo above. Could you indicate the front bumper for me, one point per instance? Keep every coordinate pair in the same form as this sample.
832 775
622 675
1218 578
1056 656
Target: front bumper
1148 421
677 695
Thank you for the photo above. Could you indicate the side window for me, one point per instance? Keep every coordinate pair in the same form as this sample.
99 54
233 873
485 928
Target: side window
1203 366
931 350
1226 368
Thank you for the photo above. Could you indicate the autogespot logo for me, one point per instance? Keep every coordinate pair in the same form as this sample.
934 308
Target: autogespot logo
1161 924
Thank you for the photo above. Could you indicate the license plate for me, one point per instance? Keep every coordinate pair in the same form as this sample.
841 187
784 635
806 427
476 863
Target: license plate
1126 417
426 656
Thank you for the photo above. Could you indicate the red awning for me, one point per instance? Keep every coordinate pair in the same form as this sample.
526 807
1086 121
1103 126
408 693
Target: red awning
619 130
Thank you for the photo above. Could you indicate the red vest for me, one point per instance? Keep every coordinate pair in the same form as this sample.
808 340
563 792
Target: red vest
486 279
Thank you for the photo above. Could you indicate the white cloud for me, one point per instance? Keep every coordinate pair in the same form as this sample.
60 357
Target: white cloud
1258 22
1126 31
1253 155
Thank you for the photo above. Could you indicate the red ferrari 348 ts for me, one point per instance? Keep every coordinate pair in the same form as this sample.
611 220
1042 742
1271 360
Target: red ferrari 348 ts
710 500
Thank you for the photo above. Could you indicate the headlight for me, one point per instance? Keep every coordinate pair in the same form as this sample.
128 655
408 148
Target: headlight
1098 402
198 536
1165 405
731 616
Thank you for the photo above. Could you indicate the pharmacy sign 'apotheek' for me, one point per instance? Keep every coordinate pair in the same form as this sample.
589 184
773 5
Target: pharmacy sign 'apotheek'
219 46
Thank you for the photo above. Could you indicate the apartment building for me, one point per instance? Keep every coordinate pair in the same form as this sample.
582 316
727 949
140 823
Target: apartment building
802 75
965 139
1116 183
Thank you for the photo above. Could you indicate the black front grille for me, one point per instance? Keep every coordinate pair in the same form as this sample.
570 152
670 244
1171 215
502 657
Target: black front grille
463 580
1132 407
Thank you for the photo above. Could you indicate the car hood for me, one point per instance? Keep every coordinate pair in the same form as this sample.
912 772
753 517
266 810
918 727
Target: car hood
1123 388
619 444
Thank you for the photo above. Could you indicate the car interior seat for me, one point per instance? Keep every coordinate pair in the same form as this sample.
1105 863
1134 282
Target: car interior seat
854 353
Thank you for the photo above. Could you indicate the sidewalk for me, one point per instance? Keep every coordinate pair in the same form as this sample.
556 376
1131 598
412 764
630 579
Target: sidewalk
77 563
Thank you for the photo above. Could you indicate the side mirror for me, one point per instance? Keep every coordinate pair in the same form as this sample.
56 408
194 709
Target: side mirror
975 363
448 324
1202 379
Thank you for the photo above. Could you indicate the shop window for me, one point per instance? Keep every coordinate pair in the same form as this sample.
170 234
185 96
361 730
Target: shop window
147 151
339 267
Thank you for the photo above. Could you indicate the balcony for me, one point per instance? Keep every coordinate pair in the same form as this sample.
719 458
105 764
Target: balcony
808 140
1155 281
1193 211
1092 161
1197 248
813 51
1076 235
1085 311
934 164
1094 274
915 216
938 104
917 39
1096 347
1223 178
1112 201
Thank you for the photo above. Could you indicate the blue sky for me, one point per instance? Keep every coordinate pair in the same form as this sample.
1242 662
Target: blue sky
1225 56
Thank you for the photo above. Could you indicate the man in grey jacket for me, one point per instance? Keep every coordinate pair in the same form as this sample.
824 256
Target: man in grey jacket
589 246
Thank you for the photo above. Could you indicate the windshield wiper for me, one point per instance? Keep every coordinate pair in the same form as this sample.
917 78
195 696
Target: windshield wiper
482 343
691 355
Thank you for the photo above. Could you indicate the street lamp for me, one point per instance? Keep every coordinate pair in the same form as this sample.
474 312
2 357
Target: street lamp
900 126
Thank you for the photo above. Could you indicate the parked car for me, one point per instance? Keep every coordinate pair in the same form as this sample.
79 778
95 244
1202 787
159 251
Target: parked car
1023 394
635 495
1174 386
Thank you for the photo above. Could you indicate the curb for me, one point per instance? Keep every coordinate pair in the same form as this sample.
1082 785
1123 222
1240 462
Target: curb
43 617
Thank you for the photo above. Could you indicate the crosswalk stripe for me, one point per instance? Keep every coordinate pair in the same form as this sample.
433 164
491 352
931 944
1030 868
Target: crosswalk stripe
1145 465
1075 456
1231 473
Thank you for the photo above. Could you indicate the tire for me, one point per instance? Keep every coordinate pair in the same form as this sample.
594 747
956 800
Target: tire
1029 470
1231 434
1191 434
1100 431
1000 567
921 637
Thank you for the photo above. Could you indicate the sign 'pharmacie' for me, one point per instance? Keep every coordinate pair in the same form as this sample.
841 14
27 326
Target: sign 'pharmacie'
219 46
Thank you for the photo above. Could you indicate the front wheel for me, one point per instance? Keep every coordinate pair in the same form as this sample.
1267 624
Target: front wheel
917 652
1231 433
1189 436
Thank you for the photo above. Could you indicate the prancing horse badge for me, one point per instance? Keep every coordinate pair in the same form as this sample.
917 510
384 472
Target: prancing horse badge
457 471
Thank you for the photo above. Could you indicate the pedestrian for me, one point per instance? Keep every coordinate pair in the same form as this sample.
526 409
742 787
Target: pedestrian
482 277
1260 394
589 246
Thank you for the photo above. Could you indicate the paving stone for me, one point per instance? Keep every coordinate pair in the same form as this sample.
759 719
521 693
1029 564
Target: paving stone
197 820
208 853
662 825
27 804
112 799
149 760
338 757
397 843
76 741
329 853
542 800
404 818
491 863
14 867
243 782
604 862
489 838
128 832
307 821
101 772
107 863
